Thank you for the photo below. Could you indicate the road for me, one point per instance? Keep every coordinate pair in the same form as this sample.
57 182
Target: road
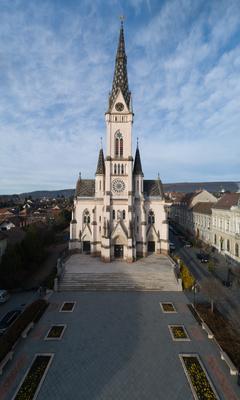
229 305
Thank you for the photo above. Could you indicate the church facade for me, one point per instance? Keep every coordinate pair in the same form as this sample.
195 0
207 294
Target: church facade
119 214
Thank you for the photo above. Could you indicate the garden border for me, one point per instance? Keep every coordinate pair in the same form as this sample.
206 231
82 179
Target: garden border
205 371
168 312
43 377
67 311
57 338
187 339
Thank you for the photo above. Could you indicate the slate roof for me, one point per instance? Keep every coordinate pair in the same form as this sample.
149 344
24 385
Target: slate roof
85 188
227 201
153 188
203 208
120 78
101 163
137 169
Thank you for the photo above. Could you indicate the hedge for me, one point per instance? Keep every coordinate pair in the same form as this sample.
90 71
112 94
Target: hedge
32 313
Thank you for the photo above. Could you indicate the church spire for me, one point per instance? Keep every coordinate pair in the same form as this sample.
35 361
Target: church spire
120 78
137 169
101 164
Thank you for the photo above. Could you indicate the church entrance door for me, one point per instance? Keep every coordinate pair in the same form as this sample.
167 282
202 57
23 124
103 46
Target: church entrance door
86 247
118 251
151 247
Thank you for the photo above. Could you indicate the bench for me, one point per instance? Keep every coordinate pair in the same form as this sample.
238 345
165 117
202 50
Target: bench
8 357
27 329
233 369
208 330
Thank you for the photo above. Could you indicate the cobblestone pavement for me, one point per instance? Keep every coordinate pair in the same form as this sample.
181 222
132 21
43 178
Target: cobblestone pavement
117 346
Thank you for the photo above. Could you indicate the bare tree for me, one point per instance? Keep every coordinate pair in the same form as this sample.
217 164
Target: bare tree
213 289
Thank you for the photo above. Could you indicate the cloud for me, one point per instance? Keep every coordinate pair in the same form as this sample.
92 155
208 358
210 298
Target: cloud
56 68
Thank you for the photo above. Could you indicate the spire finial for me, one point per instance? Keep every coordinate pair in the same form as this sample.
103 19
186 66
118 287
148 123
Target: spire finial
122 18
80 176
101 141
137 141
158 176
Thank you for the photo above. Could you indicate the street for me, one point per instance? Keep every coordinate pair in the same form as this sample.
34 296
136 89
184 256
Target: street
229 304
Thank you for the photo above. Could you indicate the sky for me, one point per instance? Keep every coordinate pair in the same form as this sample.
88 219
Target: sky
56 68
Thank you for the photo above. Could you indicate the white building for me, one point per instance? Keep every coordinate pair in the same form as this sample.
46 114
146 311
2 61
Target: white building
119 214
226 225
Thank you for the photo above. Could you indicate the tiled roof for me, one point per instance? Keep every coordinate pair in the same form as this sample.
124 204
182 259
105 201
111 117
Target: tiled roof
203 208
85 188
153 188
227 201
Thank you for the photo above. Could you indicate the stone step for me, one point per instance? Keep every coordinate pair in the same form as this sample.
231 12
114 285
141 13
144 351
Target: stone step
115 288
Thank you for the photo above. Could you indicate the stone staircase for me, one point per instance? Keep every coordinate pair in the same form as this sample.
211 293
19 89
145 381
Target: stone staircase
119 281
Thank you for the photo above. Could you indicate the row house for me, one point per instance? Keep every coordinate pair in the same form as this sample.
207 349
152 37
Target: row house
182 209
226 225
202 221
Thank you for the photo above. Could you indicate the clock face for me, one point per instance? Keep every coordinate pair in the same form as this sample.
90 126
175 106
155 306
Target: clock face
118 185
119 106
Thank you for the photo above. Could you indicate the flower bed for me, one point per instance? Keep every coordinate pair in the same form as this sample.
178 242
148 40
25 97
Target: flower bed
34 377
198 378
68 306
178 332
168 307
55 332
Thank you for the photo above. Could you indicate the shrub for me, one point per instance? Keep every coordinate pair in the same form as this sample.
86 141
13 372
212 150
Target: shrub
31 314
187 278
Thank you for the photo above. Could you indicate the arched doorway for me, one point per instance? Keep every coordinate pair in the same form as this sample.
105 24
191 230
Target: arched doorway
151 246
86 246
118 247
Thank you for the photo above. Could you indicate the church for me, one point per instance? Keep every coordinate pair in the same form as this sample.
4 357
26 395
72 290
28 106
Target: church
119 214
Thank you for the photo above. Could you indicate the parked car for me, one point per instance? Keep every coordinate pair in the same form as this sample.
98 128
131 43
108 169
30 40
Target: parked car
8 319
4 295
172 246
187 244
204 258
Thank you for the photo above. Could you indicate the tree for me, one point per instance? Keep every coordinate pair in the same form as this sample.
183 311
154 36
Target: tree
213 289
211 266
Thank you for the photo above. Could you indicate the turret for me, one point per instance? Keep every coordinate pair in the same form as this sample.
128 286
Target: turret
138 173
100 175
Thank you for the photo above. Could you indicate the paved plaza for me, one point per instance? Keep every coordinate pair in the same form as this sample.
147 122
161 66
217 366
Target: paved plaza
117 346
155 272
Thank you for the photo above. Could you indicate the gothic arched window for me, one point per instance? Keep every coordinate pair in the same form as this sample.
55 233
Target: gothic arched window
86 217
118 144
236 250
122 169
119 169
124 214
116 147
151 217
121 147
115 169
113 214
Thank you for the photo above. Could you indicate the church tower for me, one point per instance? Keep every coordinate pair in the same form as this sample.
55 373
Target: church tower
119 214
119 160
